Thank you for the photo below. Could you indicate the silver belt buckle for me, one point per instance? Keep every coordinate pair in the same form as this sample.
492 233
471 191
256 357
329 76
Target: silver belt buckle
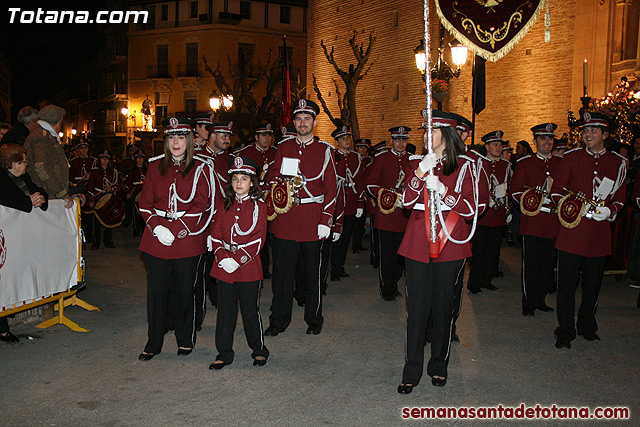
169 215
233 248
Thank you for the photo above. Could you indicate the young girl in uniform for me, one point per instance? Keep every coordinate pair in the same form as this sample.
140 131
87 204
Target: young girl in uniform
238 235
431 280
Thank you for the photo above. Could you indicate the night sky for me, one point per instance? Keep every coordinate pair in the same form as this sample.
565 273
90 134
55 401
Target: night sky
42 57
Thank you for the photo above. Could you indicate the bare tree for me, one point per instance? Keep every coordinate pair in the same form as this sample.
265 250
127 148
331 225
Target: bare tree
242 83
350 78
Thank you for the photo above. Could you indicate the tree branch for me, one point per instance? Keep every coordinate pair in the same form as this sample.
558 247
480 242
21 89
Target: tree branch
322 101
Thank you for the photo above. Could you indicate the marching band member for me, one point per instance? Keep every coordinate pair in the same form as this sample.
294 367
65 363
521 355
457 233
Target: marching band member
174 206
584 240
238 233
384 180
349 169
263 153
304 173
79 168
133 188
359 223
534 177
431 281
488 236
103 180
201 134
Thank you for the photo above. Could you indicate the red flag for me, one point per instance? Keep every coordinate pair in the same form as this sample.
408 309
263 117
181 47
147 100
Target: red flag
286 85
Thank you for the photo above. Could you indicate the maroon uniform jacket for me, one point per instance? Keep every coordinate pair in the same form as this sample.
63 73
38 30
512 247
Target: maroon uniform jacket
264 158
317 165
179 203
79 167
532 171
350 169
581 170
239 233
459 198
220 162
135 180
498 172
387 171
482 179
101 182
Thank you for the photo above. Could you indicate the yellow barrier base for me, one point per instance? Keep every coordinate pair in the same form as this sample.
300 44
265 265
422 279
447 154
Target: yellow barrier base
75 301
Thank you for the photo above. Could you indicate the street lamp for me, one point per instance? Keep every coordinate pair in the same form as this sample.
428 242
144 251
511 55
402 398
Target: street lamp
216 101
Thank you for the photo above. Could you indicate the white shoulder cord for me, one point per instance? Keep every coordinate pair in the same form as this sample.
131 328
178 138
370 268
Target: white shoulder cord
475 214
173 196
254 222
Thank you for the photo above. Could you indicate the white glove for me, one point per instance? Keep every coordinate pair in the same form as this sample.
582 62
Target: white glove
359 212
336 237
500 190
428 162
509 218
229 265
601 214
323 231
434 184
163 234
209 243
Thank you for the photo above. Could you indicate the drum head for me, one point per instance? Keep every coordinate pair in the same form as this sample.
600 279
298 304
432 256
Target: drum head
103 201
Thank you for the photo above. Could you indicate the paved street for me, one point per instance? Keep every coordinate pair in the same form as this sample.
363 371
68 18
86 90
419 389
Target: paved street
347 375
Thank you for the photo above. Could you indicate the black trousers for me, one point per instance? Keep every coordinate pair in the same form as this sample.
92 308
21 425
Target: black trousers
486 255
129 209
200 300
86 222
4 325
163 276
391 264
108 234
264 255
209 281
283 282
457 300
430 291
248 295
339 248
569 268
138 223
538 261
374 259
359 225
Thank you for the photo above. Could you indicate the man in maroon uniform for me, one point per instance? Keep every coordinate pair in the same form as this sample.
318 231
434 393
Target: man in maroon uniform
307 222
349 168
384 179
488 235
583 242
200 133
359 222
538 222
264 154
80 167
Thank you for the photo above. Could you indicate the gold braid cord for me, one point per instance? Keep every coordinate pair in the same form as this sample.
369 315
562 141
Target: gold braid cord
571 210
387 201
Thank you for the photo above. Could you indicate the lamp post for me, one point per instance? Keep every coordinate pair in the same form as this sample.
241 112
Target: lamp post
125 112
216 101
441 70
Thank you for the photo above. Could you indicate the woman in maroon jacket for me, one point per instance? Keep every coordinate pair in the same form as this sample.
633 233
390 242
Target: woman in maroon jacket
174 202
431 280
238 235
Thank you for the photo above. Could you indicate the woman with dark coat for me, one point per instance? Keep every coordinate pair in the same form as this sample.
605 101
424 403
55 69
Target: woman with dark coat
17 191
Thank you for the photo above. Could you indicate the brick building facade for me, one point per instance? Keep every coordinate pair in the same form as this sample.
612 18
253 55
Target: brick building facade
535 82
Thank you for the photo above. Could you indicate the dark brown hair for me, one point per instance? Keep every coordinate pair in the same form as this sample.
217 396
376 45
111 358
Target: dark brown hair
12 153
230 195
453 148
188 154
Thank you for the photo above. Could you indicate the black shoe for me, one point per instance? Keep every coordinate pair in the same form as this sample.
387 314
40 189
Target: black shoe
544 307
405 388
490 287
9 337
301 301
109 245
389 297
498 274
218 364
199 328
344 274
335 278
259 362
561 343
590 336
475 290
314 330
438 382
528 312
145 357
184 351
454 337
272 331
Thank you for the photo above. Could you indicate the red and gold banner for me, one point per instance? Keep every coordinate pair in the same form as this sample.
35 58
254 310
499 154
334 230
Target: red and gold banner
489 28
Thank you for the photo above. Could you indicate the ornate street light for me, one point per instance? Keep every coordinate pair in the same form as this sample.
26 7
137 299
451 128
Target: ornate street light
216 101
441 70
